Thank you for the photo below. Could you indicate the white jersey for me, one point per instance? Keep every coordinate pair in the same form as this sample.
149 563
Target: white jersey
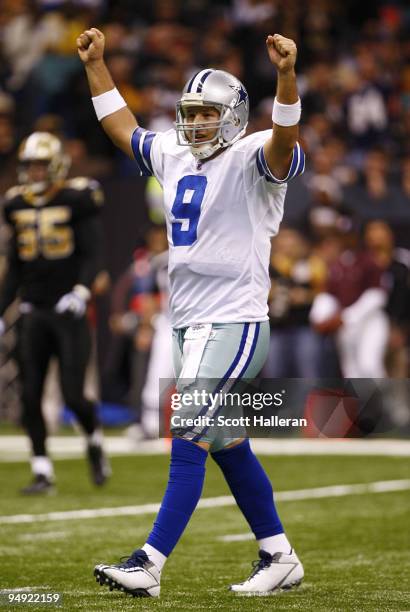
220 215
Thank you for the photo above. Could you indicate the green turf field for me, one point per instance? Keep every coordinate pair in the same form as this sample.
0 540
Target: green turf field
355 548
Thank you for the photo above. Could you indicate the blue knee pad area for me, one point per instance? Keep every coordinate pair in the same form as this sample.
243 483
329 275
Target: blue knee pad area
251 488
185 483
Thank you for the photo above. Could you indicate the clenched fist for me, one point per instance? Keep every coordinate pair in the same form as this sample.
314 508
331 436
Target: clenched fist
90 45
282 52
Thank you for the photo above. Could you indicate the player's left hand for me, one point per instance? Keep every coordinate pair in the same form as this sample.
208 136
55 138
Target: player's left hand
282 52
74 302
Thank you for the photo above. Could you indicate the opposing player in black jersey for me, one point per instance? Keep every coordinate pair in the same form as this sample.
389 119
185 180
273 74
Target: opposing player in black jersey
54 256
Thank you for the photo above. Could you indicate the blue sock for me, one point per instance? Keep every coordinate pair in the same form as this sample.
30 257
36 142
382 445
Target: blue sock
251 488
185 482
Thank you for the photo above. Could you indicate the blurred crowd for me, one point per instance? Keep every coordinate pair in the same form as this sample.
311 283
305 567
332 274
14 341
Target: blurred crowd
353 67
354 81
353 77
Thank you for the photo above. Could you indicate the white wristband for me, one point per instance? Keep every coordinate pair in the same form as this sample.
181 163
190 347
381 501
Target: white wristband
107 103
286 114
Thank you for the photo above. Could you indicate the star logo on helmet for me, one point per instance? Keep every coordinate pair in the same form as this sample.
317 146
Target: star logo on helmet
242 95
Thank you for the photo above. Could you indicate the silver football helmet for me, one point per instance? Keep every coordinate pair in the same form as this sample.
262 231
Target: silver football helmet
220 90
45 147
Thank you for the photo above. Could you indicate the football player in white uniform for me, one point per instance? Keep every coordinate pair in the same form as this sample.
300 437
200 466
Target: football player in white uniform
223 199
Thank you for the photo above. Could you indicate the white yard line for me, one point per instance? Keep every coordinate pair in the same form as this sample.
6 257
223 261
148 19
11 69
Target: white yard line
45 535
16 448
236 537
382 486
26 589
331 446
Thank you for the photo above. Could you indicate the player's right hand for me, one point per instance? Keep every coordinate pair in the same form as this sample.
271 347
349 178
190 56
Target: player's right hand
90 45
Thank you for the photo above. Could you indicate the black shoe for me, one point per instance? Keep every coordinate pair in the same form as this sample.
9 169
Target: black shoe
41 485
99 464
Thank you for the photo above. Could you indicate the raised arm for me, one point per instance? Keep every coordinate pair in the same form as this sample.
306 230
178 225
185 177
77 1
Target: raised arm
278 149
119 124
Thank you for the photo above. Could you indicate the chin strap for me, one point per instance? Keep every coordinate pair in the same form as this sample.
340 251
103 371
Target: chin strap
204 152
207 149
38 188
40 197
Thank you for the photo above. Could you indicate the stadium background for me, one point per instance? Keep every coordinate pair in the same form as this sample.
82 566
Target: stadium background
354 80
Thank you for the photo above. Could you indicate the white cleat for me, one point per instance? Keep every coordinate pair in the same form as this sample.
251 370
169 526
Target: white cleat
137 576
272 573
